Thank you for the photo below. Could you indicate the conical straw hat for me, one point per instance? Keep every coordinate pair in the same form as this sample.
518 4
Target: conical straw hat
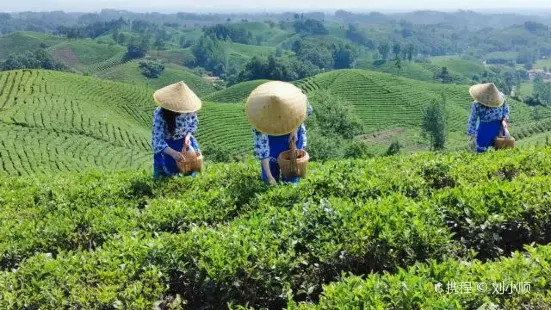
276 108
177 97
487 94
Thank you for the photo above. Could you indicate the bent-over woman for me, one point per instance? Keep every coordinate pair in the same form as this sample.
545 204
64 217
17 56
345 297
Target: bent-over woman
489 116
174 124
277 111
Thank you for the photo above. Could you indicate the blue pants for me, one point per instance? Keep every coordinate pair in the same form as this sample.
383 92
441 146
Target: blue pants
277 145
164 165
487 132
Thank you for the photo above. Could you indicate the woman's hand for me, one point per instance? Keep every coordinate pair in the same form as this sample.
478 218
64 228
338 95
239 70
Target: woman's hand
271 180
293 137
504 124
187 140
174 154
473 141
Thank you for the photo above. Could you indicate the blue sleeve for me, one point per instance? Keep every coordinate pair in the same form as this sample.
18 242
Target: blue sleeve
190 122
473 118
261 146
158 135
506 111
303 135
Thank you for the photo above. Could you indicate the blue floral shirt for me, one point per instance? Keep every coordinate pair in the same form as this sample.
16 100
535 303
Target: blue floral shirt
185 123
261 146
483 114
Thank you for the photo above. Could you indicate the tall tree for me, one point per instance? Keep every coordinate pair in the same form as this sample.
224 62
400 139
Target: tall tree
384 50
211 54
434 124
396 49
410 50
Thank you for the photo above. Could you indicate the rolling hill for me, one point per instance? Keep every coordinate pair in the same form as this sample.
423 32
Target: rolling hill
87 56
129 72
19 42
54 121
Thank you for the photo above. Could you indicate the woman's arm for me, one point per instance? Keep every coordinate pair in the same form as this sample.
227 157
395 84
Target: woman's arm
158 137
262 150
505 115
471 124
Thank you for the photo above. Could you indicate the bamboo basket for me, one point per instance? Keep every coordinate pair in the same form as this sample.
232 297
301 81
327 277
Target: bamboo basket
293 163
504 141
192 161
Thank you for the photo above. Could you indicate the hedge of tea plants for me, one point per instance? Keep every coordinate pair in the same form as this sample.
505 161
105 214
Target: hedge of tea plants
394 226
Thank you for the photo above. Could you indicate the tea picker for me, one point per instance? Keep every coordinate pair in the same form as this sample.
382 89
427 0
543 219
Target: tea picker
277 111
176 150
487 123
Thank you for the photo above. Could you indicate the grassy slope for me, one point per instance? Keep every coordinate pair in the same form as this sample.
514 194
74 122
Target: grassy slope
53 121
391 107
130 73
234 94
91 123
19 42
85 55
457 65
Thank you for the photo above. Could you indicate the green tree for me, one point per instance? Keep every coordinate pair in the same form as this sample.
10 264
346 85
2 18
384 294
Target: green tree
398 63
396 49
137 48
151 69
211 54
344 57
393 149
384 50
434 124
410 50
357 149
444 76
542 90
335 116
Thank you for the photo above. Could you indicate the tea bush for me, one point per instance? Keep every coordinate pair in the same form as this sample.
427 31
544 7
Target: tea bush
393 226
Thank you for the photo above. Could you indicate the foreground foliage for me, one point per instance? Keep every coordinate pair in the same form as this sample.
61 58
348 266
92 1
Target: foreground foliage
123 240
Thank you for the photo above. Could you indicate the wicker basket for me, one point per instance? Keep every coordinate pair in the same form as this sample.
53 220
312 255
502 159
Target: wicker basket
504 141
192 161
293 163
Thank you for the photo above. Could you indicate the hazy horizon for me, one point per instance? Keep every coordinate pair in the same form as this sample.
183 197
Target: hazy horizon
250 6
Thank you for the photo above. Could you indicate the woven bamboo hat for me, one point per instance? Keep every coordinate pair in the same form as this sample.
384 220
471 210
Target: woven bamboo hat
276 108
487 94
177 97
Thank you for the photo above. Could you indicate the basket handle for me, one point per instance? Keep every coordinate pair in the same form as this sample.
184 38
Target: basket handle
293 148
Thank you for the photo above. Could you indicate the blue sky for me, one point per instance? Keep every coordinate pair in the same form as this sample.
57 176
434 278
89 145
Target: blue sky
264 5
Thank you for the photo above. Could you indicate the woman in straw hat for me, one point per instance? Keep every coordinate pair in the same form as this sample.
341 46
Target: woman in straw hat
491 112
174 123
277 111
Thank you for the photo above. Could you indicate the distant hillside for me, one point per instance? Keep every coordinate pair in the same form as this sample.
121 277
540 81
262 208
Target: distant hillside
87 55
129 72
19 42
391 107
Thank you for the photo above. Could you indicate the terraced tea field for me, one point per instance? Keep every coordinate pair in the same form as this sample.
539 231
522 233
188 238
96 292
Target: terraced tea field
234 94
53 121
19 42
88 56
130 73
